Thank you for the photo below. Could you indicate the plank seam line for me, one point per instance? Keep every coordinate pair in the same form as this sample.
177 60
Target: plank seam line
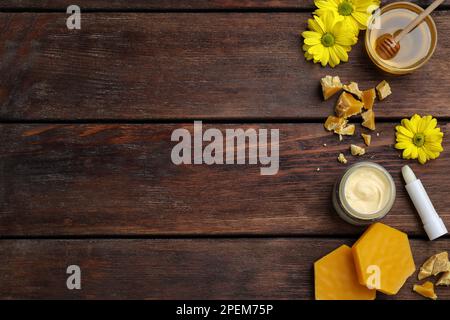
173 10
156 10
315 120
194 237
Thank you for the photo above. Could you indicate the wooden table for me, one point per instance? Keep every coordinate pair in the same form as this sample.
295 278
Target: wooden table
85 170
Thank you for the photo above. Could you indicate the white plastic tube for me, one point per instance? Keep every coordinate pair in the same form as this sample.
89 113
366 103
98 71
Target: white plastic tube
432 223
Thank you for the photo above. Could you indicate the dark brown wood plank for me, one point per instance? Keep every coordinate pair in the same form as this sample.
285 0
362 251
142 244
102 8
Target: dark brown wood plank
188 65
119 180
177 269
171 4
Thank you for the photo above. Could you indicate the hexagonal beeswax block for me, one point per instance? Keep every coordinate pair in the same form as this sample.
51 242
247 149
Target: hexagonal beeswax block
387 250
335 277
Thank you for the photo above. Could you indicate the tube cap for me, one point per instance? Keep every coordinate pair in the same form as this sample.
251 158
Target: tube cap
435 228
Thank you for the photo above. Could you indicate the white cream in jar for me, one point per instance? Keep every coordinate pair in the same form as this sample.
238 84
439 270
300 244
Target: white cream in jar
365 193
367 190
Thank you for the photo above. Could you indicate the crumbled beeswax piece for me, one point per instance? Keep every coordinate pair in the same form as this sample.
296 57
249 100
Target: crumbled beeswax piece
367 138
330 86
368 119
444 280
347 130
341 158
339 126
426 290
353 89
357 151
335 278
383 90
386 249
348 106
333 122
368 98
434 265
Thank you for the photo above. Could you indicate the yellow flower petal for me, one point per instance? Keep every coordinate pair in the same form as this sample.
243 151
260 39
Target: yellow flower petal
363 5
434 147
414 152
434 132
424 123
312 41
311 34
325 57
362 18
334 59
402 138
422 156
431 155
431 125
408 125
320 24
415 120
314 26
407 153
433 138
404 131
402 145
341 53
331 5
316 51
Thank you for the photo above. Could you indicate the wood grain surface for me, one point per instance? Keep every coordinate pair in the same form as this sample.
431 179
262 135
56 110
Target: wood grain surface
86 177
173 4
120 180
218 66
178 268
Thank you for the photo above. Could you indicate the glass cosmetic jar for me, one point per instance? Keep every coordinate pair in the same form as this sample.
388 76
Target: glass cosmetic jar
364 193
416 48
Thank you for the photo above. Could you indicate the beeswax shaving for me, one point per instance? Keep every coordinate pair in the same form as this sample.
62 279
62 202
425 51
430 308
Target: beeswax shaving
356 150
434 265
367 138
353 89
383 90
330 86
426 290
369 119
348 106
342 159
368 98
444 280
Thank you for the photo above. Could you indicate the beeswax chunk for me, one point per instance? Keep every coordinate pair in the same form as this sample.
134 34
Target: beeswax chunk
385 249
348 106
353 89
444 280
383 90
367 138
426 290
368 119
333 123
434 265
335 277
357 151
330 86
368 98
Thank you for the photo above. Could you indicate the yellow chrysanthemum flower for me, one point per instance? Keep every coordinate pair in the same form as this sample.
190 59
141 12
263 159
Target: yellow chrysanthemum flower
419 138
328 41
355 13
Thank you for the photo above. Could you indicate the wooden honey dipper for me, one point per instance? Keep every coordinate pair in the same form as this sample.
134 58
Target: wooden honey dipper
388 45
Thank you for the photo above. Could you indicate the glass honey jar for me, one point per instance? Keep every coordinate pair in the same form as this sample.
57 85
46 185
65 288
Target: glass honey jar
416 48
